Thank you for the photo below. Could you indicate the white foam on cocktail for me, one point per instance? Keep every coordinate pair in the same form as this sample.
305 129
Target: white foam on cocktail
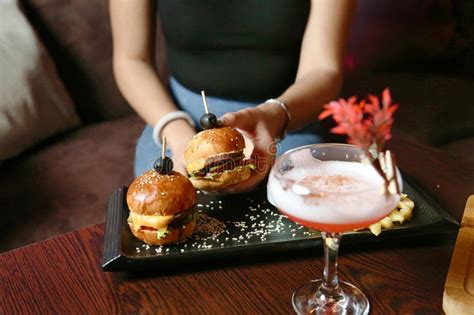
330 192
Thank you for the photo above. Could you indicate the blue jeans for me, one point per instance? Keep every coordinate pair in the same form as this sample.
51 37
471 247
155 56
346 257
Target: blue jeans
147 151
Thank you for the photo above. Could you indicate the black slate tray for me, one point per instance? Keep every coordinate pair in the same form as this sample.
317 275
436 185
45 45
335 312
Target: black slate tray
253 228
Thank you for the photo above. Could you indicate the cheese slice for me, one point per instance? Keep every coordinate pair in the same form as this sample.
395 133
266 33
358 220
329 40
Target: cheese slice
158 222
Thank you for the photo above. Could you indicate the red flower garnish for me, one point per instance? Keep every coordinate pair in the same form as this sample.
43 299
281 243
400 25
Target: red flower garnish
365 123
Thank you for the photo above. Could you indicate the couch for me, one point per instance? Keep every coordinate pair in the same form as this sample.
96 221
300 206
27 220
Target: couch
422 50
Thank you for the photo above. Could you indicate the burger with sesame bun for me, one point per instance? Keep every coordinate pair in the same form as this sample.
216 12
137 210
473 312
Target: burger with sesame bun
215 159
161 204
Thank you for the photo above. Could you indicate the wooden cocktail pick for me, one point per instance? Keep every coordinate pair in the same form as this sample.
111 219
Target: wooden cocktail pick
163 148
208 120
204 101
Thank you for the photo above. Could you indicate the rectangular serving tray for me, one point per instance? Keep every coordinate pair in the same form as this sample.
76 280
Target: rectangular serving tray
253 227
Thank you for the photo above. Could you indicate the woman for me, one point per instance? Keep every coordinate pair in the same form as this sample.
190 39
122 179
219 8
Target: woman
241 53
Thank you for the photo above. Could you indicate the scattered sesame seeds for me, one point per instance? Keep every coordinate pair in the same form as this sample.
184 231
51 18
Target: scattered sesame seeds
257 224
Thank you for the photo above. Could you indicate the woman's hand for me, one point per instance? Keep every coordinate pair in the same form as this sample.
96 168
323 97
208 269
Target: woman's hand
261 125
178 134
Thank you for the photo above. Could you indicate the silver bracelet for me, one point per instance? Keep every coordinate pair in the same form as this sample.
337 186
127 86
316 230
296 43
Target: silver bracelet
166 119
288 116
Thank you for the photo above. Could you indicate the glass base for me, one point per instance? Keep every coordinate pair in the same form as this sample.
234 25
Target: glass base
311 299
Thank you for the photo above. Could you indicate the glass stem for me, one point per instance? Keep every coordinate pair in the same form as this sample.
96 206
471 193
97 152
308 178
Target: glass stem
330 286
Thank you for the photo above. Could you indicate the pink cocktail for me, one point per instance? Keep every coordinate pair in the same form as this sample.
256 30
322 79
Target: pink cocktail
333 188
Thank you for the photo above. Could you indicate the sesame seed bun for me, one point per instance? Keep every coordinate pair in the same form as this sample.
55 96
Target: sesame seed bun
156 194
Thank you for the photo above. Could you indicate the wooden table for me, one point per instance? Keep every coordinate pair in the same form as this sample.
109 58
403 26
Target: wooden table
63 275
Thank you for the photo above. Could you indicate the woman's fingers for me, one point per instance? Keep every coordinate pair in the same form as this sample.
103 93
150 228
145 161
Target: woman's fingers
248 143
263 159
256 128
257 177
263 156
179 167
250 184
244 119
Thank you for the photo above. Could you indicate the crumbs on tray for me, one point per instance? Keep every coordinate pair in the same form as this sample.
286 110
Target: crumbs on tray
402 213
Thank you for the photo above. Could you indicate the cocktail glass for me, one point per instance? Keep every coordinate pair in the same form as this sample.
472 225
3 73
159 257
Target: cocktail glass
332 188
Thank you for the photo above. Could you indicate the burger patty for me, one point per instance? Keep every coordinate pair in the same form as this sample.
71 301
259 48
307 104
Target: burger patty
229 165
182 219
228 161
239 155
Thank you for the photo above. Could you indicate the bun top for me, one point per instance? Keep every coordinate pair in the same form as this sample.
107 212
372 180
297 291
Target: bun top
211 142
156 194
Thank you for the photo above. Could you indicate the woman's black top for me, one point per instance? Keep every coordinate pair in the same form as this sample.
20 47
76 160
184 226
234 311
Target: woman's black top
234 49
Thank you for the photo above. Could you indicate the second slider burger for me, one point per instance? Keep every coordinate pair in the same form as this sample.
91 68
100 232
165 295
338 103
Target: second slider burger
215 159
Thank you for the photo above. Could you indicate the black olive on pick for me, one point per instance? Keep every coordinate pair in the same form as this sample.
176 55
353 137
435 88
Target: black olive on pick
208 121
163 165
